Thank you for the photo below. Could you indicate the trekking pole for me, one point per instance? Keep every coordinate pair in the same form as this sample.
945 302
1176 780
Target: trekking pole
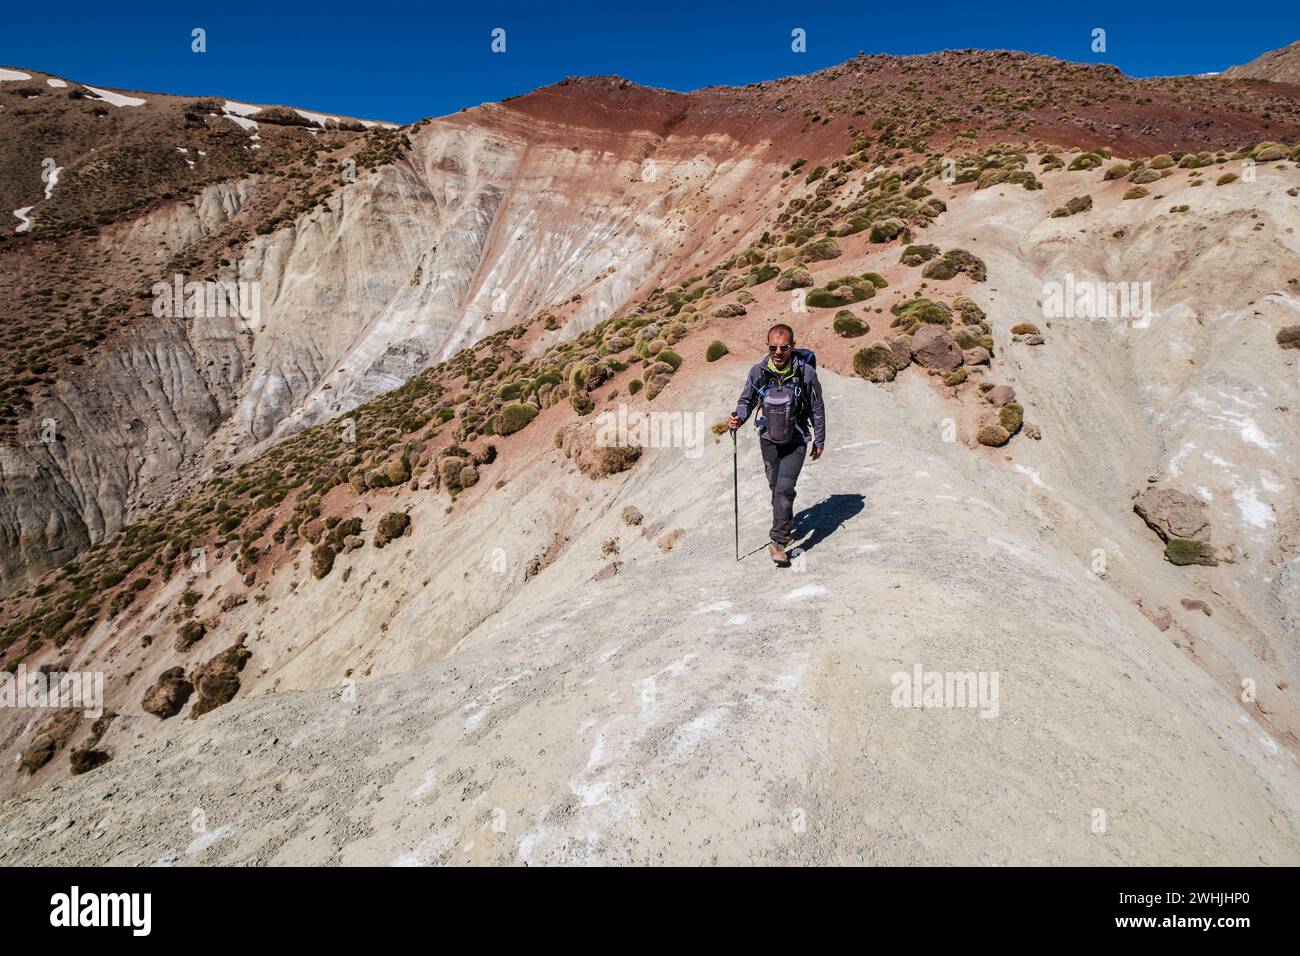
735 490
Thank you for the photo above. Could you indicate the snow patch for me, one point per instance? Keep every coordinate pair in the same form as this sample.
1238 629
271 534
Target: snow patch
22 215
13 75
52 181
116 99
318 118
240 109
56 83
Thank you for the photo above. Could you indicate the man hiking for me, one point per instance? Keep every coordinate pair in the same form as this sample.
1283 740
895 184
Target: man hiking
785 385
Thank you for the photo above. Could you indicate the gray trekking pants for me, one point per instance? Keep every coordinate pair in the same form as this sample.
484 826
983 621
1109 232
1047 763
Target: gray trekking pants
782 464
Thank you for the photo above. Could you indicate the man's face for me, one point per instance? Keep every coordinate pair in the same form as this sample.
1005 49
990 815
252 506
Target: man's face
784 348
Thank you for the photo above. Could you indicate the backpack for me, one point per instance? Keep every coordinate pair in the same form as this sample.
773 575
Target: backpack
784 405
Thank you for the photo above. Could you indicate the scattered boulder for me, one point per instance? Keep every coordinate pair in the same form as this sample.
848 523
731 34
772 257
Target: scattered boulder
1073 207
607 572
1173 514
886 230
943 268
657 377
1033 431
956 261
796 277
667 541
232 601
900 351
933 346
1160 617
1289 338
969 310
168 694
975 356
217 681
999 395
1195 604
578 442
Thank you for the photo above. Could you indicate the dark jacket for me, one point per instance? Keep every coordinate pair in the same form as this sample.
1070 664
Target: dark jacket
811 410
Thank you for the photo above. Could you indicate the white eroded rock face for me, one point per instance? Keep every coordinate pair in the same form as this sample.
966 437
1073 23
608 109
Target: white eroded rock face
474 231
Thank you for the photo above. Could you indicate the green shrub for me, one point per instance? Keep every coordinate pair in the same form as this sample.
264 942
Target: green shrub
1011 416
391 526
1185 551
513 417
322 560
670 357
190 633
715 351
849 326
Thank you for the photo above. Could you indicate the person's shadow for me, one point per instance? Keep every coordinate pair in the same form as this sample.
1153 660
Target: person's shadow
823 519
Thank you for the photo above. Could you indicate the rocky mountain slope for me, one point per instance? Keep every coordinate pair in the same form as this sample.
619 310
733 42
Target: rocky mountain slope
380 570
372 251
1276 66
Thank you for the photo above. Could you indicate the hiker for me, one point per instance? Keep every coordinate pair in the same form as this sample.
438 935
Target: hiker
785 384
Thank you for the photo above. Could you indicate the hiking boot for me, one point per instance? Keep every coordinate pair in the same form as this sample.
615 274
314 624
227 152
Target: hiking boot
777 553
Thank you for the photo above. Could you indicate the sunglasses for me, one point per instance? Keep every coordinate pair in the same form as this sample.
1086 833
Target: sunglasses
779 348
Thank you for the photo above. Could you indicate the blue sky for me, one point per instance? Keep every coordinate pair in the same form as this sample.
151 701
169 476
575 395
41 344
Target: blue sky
398 62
